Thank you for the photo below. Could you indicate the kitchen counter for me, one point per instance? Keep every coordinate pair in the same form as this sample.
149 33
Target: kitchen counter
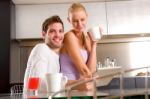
113 93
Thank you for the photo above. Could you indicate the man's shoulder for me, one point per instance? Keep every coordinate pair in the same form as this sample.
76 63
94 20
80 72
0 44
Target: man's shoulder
43 49
40 47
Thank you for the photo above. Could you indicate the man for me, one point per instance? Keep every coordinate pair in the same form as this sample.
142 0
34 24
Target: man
44 57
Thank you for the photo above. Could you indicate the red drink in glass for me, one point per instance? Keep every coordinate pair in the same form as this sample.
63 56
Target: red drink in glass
33 83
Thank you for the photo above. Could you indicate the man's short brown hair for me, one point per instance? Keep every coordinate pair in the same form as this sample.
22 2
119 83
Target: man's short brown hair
51 20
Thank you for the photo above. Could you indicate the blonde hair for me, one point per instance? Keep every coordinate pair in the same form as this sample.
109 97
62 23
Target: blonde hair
76 7
79 7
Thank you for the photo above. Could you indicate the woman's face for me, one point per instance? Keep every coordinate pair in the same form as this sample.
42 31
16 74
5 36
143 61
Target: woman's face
78 19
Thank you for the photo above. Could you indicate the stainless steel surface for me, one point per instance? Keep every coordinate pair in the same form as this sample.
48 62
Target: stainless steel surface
129 53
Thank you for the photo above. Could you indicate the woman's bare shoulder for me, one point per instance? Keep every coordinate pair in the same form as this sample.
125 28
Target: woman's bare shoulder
69 33
69 36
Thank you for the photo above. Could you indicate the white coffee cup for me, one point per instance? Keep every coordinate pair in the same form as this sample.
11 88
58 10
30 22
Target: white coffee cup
55 81
95 33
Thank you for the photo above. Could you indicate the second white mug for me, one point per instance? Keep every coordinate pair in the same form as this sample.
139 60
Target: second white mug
55 81
95 33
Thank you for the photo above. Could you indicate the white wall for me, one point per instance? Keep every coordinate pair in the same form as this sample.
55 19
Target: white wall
29 18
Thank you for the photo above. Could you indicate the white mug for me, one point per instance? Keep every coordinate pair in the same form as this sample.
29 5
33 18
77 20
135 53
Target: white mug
55 81
95 33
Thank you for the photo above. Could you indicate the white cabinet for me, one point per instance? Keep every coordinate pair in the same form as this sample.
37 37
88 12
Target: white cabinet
29 18
128 17
117 17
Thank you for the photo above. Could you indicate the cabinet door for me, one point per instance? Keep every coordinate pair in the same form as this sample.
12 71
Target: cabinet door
128 17
29 18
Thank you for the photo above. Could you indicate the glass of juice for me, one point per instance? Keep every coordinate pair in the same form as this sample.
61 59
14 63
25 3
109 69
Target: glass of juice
33 83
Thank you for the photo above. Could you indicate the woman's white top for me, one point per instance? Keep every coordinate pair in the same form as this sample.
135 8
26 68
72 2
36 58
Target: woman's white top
42 60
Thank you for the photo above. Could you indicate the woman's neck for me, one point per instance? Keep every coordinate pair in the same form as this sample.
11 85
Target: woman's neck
79 35
81 38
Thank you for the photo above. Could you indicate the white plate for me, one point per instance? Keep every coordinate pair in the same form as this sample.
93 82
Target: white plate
106 71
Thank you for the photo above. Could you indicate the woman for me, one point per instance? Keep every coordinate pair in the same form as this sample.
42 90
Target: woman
78 54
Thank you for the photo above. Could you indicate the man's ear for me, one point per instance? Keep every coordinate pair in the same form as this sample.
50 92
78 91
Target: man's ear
68 19
43 34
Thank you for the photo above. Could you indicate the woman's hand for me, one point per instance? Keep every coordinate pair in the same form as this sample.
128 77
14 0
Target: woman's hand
93 43
88 86
82 87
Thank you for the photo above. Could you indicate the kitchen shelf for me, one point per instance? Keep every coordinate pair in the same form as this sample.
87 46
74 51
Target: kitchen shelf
124 38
